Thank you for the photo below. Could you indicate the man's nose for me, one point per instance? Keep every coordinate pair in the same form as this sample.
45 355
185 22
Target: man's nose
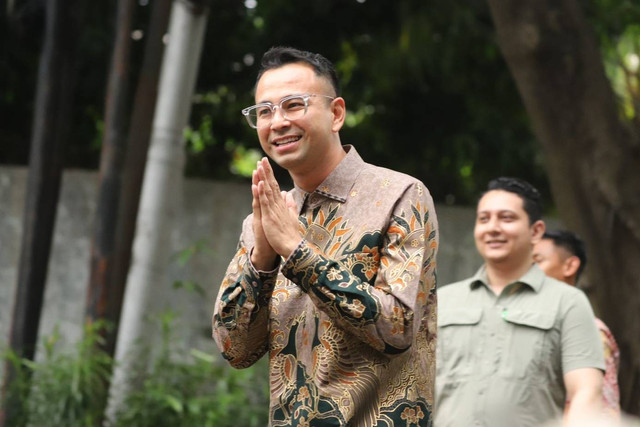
493 224
278 117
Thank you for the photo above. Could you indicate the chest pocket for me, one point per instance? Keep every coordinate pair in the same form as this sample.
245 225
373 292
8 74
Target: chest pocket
533 345
458 340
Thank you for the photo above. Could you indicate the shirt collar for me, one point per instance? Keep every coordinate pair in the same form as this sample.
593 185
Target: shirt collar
534 278
339 182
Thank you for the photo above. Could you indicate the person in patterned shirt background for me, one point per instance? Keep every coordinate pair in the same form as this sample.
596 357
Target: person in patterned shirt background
561 254
336 278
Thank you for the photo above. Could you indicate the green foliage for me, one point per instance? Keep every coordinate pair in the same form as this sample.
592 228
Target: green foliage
63 389
183 257
197 392
616 25
243 160
426 88
622 63
414 76
199 247
176 391
194 391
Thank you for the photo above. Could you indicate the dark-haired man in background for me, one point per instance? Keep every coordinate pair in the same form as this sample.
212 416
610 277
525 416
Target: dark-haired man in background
335 279
514 344
561 254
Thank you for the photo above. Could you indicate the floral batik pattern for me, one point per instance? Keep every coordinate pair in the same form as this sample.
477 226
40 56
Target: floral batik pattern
610 389
349 318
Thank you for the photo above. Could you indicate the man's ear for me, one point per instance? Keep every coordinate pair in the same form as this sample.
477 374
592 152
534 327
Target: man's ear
537 231
339 110
570 266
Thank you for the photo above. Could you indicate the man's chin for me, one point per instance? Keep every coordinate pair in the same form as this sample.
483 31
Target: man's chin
496 258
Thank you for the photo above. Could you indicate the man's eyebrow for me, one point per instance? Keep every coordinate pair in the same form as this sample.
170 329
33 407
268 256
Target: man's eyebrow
498 211
286 96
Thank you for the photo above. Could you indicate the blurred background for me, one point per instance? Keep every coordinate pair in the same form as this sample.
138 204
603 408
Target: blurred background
127 112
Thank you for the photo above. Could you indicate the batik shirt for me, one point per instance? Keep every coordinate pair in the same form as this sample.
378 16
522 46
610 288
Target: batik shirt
610 389
349 318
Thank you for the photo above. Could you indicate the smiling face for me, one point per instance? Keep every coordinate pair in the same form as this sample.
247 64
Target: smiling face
502 232
310 146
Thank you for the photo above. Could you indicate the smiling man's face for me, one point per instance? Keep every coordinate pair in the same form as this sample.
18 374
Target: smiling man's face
502 232
297 145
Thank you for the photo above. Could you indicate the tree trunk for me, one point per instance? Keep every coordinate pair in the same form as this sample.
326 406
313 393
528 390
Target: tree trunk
122 168
101 297
51 124
134 163
100 293
592 156
162 180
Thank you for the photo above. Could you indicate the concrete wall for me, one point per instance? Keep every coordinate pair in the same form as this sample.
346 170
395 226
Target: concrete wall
210 211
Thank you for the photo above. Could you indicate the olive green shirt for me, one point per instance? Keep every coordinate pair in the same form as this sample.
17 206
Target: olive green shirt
501 359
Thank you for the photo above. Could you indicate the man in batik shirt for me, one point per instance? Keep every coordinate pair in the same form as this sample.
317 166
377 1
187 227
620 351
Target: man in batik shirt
335 278
562 255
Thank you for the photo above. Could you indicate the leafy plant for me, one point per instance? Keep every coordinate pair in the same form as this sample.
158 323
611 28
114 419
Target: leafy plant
195 391
178 390
64 389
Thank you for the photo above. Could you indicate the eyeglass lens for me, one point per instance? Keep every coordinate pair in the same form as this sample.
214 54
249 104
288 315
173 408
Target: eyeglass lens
291 108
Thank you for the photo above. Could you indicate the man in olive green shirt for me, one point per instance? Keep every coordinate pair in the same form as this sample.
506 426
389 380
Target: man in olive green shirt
513 343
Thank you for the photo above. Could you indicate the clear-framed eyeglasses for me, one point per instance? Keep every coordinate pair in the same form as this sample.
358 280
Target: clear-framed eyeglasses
292 107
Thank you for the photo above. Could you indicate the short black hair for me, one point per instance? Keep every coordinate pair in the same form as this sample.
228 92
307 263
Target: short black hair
531 200
279 56
572 243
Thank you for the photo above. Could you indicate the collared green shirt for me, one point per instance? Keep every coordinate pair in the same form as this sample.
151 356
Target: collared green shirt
501 358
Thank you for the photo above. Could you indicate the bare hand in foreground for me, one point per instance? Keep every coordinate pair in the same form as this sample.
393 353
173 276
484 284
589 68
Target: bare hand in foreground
275 220
263 256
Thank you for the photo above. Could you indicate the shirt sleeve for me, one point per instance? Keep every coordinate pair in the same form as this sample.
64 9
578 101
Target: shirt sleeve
383 293
241 311
581 344
610 388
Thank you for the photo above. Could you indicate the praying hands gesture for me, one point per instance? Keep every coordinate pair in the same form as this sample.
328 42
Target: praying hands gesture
275 220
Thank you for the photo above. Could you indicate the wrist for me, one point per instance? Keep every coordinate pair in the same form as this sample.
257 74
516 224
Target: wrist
263 262
290 248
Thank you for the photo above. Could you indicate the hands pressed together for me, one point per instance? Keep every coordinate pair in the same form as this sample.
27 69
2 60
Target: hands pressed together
275 220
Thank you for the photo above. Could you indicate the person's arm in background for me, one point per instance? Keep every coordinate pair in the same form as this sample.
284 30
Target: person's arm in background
584 391
610 389
582 361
